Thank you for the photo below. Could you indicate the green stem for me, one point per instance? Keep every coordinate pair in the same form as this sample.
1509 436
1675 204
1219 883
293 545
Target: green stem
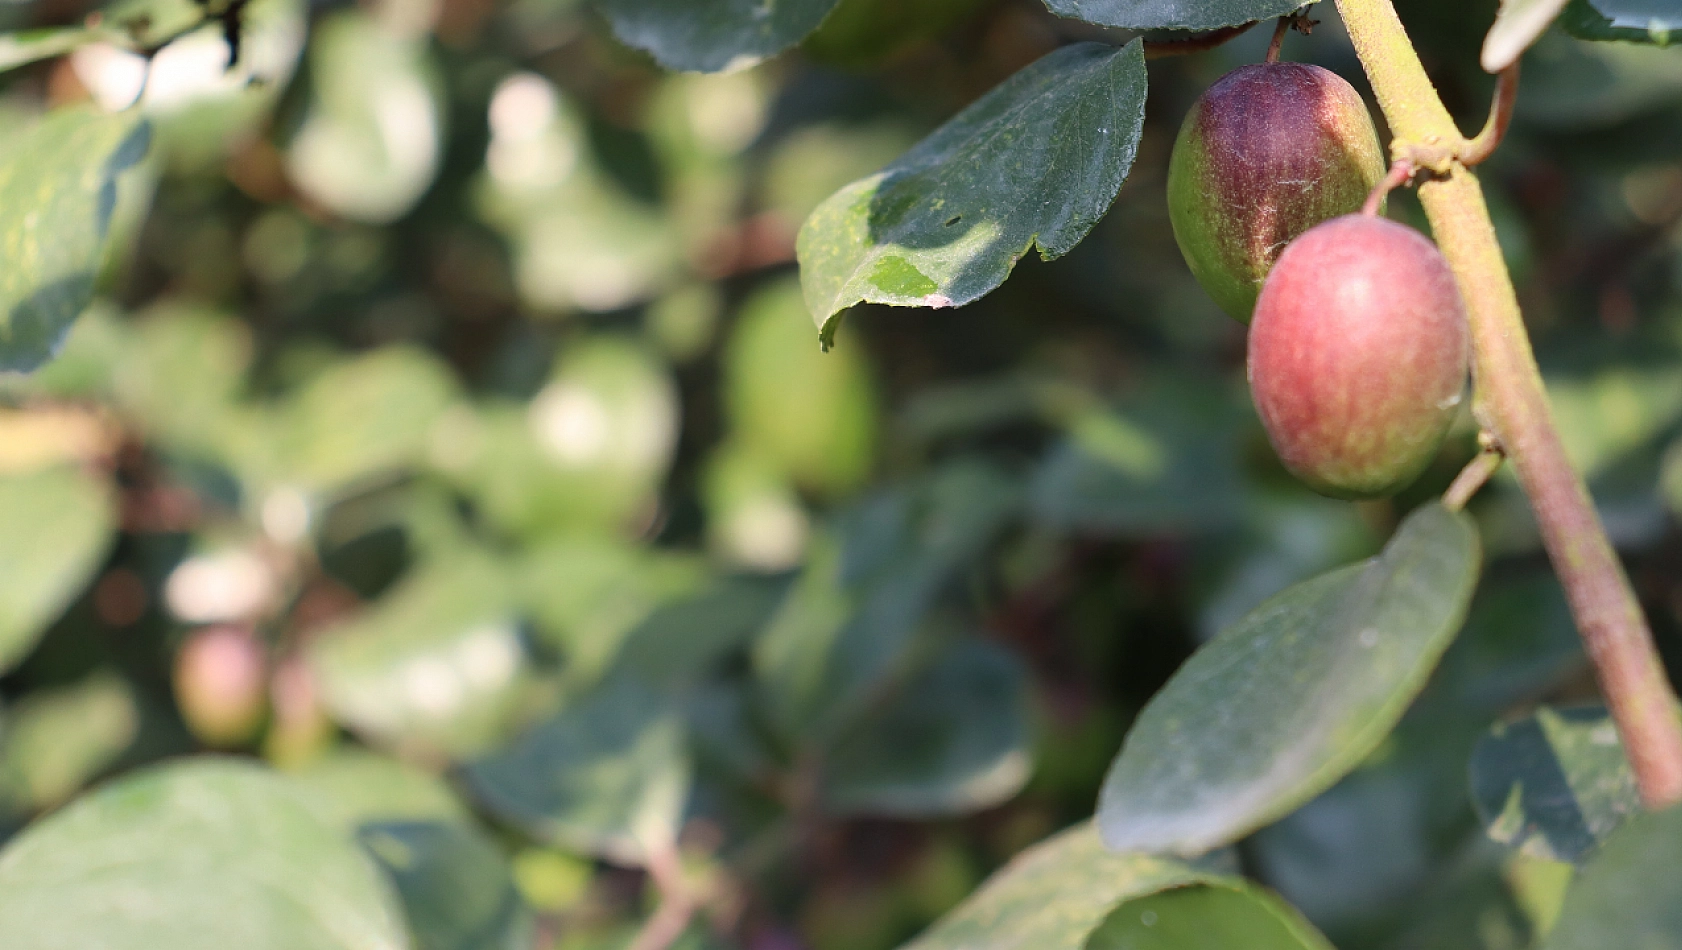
1512 404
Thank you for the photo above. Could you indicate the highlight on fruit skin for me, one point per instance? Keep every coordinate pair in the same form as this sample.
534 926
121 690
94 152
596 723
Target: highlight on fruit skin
1358 356
1269 151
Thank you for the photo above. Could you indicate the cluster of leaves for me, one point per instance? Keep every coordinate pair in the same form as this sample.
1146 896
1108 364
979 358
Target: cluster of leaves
460 388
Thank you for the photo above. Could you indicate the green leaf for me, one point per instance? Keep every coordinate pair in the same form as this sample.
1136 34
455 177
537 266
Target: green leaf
713 35
204 854
372 135
608 775
1517 25
55 527
1629 895
1172 14
1214 916
181 374
58 188
1051 896
953 740
1658 22
53 741
456 886
29 46
1036 162
1280 706
435 665
1553 784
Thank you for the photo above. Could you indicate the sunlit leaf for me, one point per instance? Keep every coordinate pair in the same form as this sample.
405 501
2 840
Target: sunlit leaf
58 188
1517 25
1172 14
55 527
713 35
1553 784
1213 916
1633 21
1034 163
1278 707
200 855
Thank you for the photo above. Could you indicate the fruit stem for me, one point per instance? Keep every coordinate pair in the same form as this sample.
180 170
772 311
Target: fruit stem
1473 477
1278 39
1500 117
1400 171
1512 403
1158 49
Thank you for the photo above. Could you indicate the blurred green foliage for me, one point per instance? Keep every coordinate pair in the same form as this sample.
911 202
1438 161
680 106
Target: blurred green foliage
452 355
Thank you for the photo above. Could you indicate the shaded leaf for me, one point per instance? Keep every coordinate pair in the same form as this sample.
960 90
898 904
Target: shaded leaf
434 665
55 526
1516 26
1553 784
954 739
58 188
1629 894
1277 708
1658 22
713 35
53 741
1051 896
608 775
1035 162
199 855
1172 14
1213 916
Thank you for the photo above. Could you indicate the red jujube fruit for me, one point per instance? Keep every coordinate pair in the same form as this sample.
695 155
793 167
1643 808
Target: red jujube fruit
1358 355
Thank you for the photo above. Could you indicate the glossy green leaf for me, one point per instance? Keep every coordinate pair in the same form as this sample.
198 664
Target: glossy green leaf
434 665
1172 14
608 775
1658 22
1214 916
713 35
1553 784
53 741
372 135
1629 894
456 886
953 740
1034 163
1280 706
1516 26
58 188
198 855
55 527
1051 896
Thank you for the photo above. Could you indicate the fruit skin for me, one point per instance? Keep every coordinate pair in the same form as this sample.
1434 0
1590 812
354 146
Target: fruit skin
221 684
1358 356
1268 152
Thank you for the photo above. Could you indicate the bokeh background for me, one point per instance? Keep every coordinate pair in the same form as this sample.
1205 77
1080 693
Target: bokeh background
450 433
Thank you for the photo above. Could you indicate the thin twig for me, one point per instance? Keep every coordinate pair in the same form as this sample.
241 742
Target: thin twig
1278 39
1157 49
677 905
1400 171
1473 477
1500 117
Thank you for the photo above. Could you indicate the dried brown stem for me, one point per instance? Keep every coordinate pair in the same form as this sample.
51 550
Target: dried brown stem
1512 403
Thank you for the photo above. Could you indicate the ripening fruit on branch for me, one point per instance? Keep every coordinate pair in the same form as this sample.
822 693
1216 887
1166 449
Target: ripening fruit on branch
1358 356
221 685
1268 152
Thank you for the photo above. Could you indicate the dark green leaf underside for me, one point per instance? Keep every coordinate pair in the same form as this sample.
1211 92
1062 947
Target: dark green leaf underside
713 35
1658 22
1629 895
1554 784
1278 707
1172 14
1035 162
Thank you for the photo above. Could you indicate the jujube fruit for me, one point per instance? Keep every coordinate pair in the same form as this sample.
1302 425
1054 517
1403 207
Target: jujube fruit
221 682
1358 356
1268 152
